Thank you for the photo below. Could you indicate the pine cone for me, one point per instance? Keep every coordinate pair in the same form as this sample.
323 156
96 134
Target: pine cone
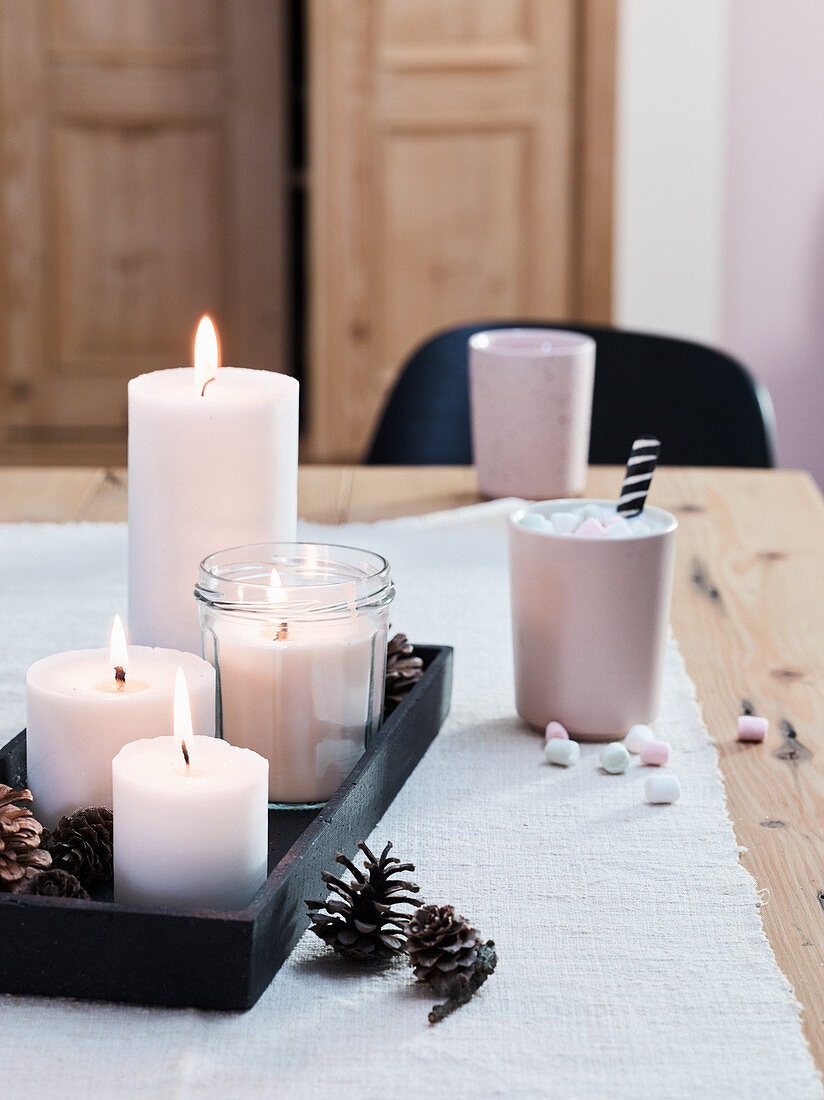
403 670
442 948
21 856
361 921
54 884
82 845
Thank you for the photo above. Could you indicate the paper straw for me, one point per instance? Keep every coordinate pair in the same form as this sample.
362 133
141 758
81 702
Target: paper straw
640 468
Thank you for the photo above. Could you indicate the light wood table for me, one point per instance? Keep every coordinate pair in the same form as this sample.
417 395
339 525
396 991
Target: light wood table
748 613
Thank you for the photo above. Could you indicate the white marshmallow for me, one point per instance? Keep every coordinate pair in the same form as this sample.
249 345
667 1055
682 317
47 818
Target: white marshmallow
614 758
534 521
592 511
565 522
662 787
636 737
559 751
619 530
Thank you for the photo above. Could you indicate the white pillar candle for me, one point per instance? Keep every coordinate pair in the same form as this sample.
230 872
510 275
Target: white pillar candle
212 463
303 697
79 716
191 827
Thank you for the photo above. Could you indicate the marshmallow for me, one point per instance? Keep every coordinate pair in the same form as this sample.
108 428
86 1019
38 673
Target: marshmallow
752 728
534 521
591 529
619 530
637 736
654 752
555 729
563 752
593 511
614 758
661 788
565 522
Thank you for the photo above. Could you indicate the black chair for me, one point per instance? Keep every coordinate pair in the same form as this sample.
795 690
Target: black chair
704 406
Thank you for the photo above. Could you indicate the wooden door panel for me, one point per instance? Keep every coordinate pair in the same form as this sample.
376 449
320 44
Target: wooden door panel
443 150
144 182
130 26
457 236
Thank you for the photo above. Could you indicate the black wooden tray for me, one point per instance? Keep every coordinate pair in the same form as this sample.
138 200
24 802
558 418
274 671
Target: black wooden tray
62 947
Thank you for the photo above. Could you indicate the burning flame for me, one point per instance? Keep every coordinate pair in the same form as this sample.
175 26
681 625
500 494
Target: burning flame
206 354
183 717
118 653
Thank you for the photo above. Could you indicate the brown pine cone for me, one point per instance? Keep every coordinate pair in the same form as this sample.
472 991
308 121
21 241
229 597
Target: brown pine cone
403 670
54 884
21 856
442 948
361 921
82 845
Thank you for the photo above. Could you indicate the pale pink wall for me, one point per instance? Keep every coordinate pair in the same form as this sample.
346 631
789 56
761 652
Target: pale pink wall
772 313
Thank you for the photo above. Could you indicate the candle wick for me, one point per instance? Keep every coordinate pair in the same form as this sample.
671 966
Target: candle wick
185 752
120 676
283 632
205 384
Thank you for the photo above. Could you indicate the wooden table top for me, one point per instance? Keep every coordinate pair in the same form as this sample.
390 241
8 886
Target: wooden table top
748 612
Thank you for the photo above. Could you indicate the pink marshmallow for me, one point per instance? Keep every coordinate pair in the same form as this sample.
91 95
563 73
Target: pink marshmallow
752 728
590 529
655 752
608 522
555 729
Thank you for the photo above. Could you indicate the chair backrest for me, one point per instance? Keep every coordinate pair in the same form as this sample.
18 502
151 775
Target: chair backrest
704 406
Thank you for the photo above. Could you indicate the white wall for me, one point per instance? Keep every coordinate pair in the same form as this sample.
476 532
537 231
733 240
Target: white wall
773 315
670 159
720 191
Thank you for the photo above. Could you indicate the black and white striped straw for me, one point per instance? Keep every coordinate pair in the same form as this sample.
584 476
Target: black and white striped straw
640 468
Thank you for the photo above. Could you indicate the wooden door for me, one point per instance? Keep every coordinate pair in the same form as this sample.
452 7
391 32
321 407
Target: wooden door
142 184
460 169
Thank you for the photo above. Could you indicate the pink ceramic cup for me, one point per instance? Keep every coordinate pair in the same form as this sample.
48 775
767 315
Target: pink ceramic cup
531 407
589 624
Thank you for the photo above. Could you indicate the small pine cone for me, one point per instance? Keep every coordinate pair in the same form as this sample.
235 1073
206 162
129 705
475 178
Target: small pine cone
21 856
55 884
403 670
442 948
82 845
361 921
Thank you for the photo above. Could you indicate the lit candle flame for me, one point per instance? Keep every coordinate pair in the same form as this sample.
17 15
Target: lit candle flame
183 717
118 653
275 581
206 354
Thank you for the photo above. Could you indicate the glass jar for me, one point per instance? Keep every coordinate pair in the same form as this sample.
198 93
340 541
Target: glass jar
297 634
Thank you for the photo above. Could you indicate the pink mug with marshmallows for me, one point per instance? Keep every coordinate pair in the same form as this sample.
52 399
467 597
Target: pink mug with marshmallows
590 616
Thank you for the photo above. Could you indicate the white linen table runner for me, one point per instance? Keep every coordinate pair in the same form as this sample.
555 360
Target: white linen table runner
632 962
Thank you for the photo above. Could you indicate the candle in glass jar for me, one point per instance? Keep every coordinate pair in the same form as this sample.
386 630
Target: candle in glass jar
83 706
300 649
191 819
303 697
213 455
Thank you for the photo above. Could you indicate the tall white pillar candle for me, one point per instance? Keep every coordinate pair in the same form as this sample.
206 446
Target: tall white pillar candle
79 716
212 463
191 822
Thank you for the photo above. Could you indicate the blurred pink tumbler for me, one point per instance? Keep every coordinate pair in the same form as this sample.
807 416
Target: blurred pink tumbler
590 623
531 406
